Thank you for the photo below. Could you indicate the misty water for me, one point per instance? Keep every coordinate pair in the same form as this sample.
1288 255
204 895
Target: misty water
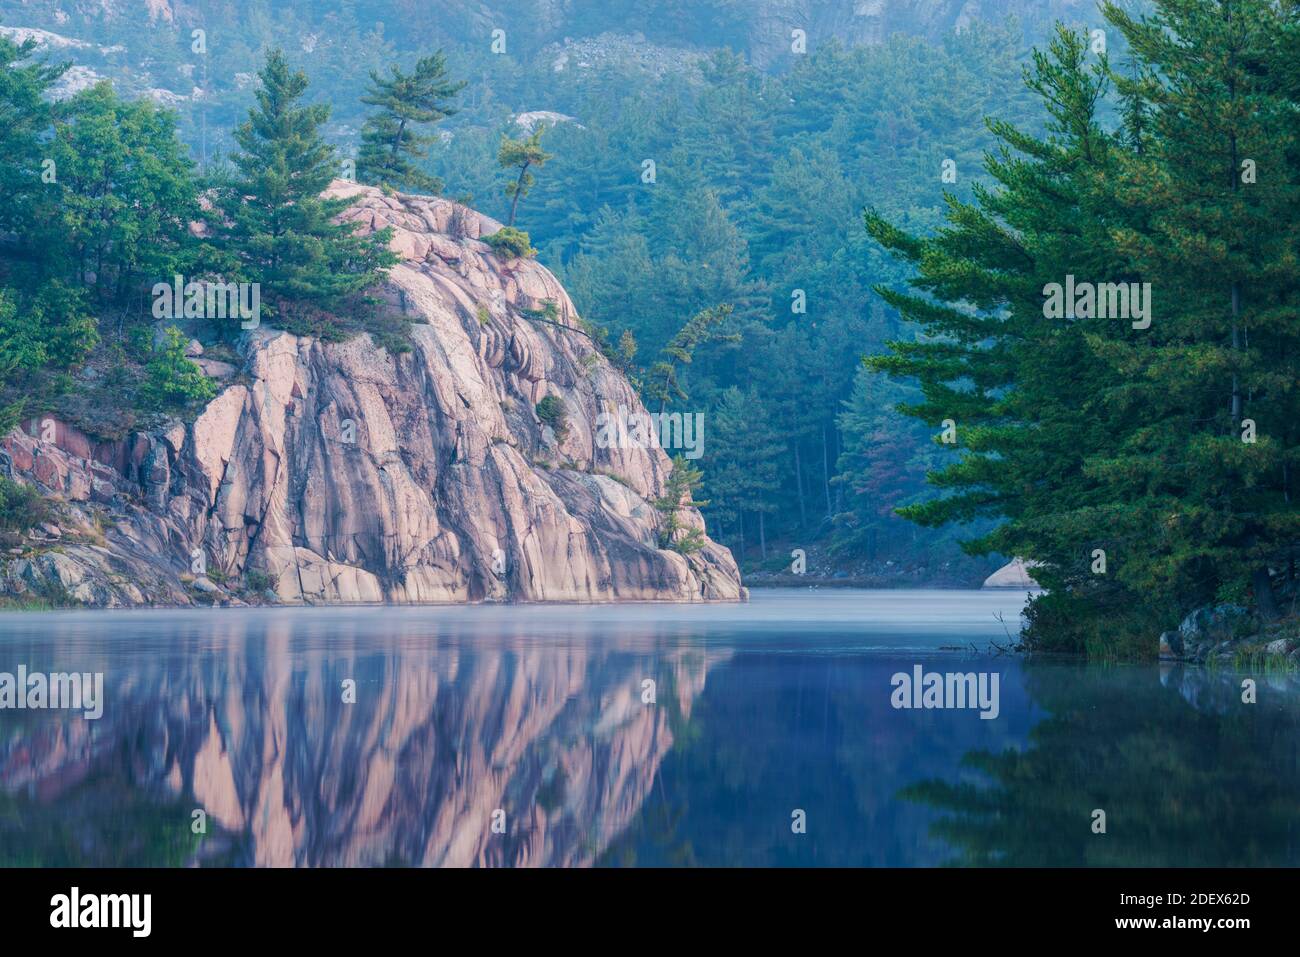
525 735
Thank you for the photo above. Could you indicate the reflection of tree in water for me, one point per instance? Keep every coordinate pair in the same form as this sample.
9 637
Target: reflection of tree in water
815 732
1212 785
106 822
751 753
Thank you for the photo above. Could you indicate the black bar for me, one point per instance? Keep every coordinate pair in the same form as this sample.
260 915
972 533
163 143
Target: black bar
332 906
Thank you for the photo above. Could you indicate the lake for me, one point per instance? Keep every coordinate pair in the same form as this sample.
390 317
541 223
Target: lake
770 733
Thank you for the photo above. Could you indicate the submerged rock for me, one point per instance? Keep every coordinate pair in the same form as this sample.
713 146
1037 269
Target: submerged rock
340 472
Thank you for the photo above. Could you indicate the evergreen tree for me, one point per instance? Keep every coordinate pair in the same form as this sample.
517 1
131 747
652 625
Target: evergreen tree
1149 467
523 155
679 491
992 366
278 230
877 465
743 456
1209 479
26 114
172 382
707 326
390 138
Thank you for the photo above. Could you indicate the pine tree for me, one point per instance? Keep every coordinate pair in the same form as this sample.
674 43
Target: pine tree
523 155
878 465
743 457
1149 467
172 382
705 327
1024 393
390 138
679 492
1216 193
277 228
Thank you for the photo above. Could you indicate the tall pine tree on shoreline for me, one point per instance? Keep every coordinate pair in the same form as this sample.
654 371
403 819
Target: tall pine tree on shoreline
1021 392
1148 470
1216 192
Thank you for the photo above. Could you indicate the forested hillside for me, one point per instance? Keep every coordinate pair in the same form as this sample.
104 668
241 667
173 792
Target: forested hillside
680 176
1073 286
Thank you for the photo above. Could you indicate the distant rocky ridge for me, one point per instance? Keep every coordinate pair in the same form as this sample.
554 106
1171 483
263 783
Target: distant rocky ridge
342 473
769 23
571 31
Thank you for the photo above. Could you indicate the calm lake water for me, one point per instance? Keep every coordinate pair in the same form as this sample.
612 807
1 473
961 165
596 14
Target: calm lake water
630 735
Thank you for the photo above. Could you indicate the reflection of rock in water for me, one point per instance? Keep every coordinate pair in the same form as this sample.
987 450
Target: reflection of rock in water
1208 689
1187 774
410 774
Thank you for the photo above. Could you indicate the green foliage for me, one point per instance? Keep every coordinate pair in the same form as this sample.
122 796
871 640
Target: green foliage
626 349
705 327
390 139
258 581
1090 434
388 329
882 467
510 243
26 113
68 331
100 202
551 411
523 155
276 228
744 462
44 321
21 508
172 382
679 489
126 195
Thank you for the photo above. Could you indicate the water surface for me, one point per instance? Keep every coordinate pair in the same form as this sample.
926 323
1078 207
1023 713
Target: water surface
525 735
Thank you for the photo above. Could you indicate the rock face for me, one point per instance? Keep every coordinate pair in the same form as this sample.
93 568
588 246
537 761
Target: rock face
343 473
1014 574
1227 632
